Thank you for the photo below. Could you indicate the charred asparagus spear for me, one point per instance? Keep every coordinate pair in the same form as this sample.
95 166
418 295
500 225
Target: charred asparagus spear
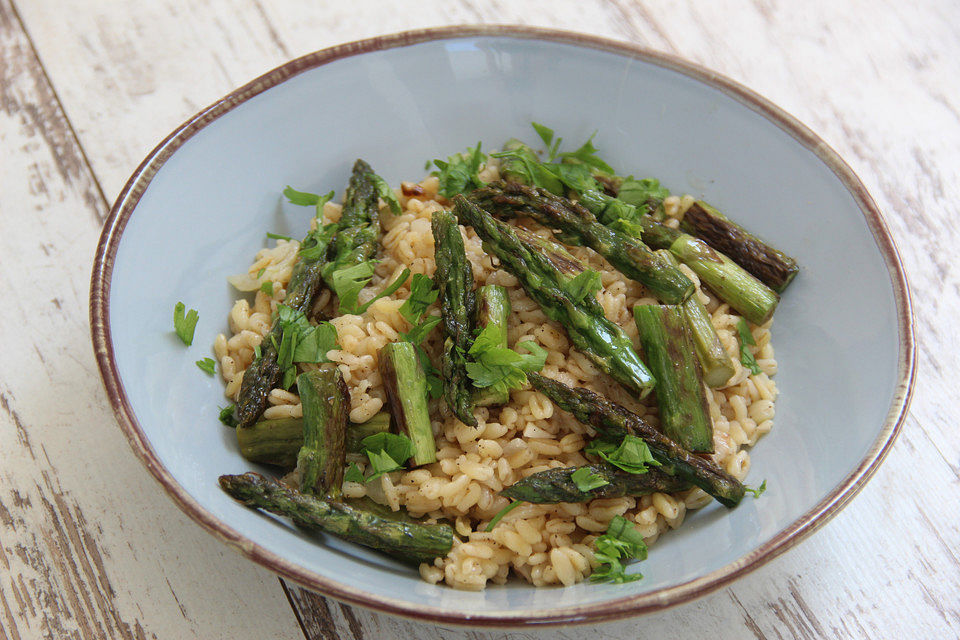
716 362
277 442
454 279
614 422
557 485
403 540
627 254
354 241
671 354
493 308
771 266
599 339
406 387
326 411
358 230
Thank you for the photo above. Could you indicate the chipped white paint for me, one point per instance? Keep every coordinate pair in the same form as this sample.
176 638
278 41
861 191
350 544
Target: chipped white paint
876 79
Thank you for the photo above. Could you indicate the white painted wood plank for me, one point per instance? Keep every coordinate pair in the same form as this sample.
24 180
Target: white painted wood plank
89 545
882 91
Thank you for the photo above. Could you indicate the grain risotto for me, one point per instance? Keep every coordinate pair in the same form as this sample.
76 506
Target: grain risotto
545 544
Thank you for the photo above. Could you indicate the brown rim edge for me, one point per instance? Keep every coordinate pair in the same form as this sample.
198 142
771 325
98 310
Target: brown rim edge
611 610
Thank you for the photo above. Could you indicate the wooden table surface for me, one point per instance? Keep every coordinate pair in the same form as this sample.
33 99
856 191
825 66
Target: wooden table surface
90 547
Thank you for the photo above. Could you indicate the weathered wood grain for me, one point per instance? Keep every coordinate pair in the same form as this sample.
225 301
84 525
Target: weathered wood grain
876 79
89 548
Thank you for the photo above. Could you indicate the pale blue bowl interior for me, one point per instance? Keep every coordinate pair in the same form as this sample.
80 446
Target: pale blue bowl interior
205 213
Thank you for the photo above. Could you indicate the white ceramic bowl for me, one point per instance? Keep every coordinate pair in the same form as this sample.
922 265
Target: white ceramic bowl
197 208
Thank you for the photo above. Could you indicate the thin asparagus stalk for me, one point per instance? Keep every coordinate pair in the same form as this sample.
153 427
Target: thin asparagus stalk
614 421
493 309
557 485
627 254
358 230
717 364
406 541
277 442
406 388
672 356
454 279
771 266
354 242
599 339
326 411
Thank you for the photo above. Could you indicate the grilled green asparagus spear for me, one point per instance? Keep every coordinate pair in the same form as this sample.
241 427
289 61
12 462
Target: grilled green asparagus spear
403 540
358 230
277 442
264 372
614 422
599 339
406 388
355 241
454 279
326 411
629 255
716 362
557 485
493 308
672 356
771 266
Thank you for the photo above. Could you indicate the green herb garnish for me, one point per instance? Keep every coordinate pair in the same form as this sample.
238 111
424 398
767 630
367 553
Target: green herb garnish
267 287
422 295
185 323
497 518
584 284
632 454
586 479
207 364
386 452
226 416
499 368
746 338
460 172
622 541
758 491
387 194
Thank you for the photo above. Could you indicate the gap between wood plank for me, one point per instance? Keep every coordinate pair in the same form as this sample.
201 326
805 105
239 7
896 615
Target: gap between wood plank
101 214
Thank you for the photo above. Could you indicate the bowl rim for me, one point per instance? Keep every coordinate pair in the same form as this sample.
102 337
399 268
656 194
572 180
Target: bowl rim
613 609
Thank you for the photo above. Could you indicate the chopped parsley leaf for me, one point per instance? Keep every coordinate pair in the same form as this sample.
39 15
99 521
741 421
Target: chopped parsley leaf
277 236
746 339
622 541
207 364
500 368
226 416
185 323
584 284
267 287
758 491
422 295
585 479
460 172
632 454
497 518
